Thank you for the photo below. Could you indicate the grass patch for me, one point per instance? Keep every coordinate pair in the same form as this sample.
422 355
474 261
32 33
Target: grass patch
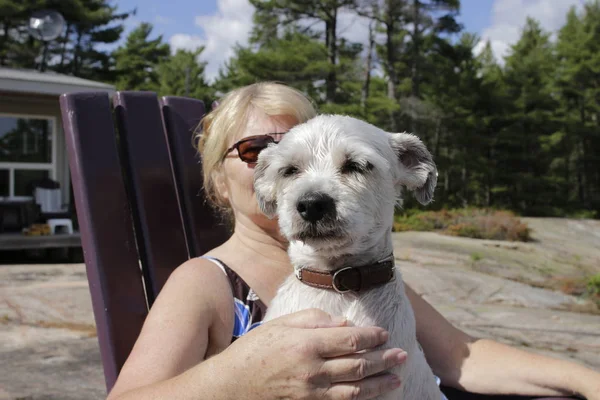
476 257
584 287
593 287
469 222
583 214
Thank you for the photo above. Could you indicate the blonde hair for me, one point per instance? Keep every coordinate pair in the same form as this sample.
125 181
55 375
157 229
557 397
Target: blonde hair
228 120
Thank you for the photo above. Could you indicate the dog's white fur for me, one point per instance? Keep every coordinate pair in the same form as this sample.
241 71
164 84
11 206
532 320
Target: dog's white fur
310 159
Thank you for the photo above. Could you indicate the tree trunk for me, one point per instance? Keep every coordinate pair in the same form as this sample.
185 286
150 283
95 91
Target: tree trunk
331 44
76 54
436 138
64 46
580 183
446 181
391 68
568 187
4 39
465 191
488 170
584 148
416 50
587 204
367 84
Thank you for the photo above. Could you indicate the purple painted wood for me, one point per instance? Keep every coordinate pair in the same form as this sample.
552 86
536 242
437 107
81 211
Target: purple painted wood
111 258
202 228
160 238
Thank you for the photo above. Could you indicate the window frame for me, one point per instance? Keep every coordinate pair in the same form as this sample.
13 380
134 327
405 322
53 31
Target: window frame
11 166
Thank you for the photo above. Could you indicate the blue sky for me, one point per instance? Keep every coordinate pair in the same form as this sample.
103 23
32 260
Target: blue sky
219 24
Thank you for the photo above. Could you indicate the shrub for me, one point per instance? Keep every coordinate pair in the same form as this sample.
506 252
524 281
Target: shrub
593 286
583 214
469 222
476 257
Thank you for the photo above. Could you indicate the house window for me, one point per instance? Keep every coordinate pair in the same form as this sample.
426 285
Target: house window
27 153
4 182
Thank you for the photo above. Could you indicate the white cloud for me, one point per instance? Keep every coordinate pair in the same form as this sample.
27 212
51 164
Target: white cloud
220 32
509 16
185 41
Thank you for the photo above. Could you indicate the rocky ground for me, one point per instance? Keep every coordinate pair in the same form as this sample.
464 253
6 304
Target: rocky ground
507 291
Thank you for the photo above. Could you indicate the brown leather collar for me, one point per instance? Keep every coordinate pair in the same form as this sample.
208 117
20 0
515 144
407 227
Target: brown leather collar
353 279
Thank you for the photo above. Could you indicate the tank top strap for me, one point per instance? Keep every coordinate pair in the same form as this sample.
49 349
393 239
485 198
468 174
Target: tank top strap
249 310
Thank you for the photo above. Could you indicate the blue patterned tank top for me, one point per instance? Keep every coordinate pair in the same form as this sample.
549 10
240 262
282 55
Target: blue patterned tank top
249 310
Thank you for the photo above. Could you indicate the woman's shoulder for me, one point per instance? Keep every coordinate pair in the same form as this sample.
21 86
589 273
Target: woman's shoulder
201 272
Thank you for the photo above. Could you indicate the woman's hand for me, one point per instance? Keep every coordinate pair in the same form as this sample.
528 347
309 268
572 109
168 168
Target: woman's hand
309 355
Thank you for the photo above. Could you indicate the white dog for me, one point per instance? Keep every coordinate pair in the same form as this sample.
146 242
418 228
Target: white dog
333 182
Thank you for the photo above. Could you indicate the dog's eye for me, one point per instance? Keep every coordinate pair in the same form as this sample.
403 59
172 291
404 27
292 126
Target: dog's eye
351 166
289 171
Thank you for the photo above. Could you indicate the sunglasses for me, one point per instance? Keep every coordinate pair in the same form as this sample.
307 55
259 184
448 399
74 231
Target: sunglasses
250 147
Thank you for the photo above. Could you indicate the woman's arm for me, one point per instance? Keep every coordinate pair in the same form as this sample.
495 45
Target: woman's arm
488 367
193 310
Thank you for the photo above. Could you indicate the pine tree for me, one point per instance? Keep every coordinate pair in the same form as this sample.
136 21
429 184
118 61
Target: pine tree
577 143
95 23
429 19
523 163
391 18
494 103
89 24
183 75
138 59
522 134
17 47
325 11
296 59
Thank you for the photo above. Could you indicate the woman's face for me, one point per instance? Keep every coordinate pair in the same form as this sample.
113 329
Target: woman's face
237 180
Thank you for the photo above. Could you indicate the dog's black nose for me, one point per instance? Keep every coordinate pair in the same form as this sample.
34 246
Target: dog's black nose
314 207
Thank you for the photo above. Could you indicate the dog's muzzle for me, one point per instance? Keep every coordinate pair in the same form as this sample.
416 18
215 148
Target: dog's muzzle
314 207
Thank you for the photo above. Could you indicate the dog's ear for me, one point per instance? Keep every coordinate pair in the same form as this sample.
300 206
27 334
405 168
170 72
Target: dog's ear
417 171
264 183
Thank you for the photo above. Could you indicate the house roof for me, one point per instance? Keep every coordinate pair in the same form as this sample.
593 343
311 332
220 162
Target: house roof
51 83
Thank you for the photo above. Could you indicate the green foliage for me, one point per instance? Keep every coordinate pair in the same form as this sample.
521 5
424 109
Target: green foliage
593 286
576 166
90 25
469 222
522 161
137 61
295 59
522 134
183 75
476 257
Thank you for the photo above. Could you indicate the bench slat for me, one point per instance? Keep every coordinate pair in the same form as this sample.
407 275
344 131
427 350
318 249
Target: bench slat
203 228
159 231
108 241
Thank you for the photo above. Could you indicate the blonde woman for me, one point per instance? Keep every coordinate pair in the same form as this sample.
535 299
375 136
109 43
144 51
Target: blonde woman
203 339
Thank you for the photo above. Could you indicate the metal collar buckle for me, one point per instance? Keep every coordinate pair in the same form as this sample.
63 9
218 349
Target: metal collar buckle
334 280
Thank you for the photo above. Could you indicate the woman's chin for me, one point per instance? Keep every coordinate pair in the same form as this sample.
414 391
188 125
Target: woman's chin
260 219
